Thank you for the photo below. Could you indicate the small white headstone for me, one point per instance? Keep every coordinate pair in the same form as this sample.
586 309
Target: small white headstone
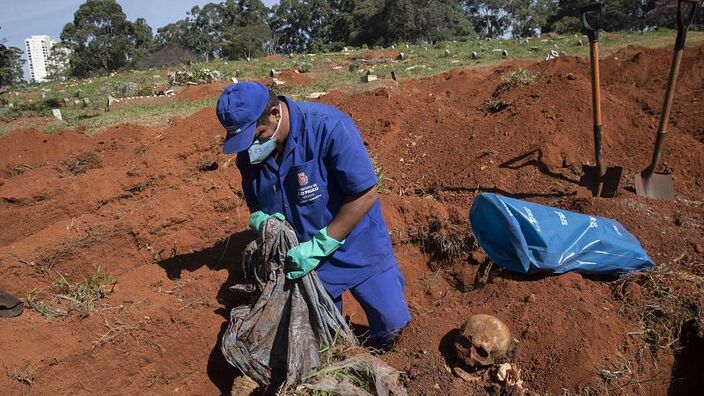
57 114
316 95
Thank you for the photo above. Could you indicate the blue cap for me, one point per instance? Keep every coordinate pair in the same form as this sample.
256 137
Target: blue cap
238 110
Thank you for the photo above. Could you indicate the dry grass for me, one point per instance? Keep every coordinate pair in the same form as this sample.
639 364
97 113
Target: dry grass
521 77
443 240
672 297
25 377
35 299
82 163
16 169
509 81
330 367
495 105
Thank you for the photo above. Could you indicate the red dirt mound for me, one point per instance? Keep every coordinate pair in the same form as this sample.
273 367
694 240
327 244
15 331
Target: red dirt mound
202 91
376 54
162 213
291 77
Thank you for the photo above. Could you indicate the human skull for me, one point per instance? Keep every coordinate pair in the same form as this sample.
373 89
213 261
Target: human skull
483 341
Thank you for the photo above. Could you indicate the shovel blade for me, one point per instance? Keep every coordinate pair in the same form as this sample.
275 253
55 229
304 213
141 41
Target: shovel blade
608 183
655 185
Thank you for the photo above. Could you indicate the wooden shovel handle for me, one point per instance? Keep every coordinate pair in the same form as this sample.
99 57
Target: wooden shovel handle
683 25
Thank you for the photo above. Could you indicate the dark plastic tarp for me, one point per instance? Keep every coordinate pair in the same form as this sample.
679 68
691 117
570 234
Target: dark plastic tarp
277 341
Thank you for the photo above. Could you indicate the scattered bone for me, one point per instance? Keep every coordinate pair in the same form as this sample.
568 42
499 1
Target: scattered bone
509 375
458 371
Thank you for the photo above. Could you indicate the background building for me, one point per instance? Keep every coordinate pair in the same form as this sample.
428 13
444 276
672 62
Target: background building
38 49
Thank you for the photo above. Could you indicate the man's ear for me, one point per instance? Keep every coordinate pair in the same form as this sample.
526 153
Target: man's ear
274 110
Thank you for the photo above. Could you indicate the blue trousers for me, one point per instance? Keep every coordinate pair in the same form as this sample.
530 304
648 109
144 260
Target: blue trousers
381 297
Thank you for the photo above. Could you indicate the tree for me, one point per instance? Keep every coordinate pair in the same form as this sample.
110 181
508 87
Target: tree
142 38
199 32
245 32
101 39
180 34
233 29
528 17
10 65
488 17
58 62
299 25
246 42
384 22
620 15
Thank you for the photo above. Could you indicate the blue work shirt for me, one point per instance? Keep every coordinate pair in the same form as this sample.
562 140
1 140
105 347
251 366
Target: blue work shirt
324 161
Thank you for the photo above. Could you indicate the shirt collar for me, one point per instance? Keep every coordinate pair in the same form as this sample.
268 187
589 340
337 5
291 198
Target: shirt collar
295 126
295 117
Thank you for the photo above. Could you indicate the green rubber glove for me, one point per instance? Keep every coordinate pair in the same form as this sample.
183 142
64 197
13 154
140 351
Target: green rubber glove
258 218
304 257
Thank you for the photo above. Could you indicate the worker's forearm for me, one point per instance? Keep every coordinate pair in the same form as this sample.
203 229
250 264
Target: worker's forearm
351 213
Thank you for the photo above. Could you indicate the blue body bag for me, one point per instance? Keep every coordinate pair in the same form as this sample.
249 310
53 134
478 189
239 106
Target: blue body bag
529 238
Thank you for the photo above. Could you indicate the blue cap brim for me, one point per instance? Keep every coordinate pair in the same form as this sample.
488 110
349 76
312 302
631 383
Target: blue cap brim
241 141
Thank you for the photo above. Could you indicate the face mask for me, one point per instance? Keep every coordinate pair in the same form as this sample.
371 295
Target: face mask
259 151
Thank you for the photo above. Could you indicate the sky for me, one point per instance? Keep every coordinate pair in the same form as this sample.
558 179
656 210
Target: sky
20 19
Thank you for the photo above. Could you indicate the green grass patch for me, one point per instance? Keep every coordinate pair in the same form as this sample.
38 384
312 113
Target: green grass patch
145 114
69 296
88 290
329 70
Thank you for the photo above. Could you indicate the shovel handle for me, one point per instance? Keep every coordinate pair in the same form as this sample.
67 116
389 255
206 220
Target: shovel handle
683 24
592 30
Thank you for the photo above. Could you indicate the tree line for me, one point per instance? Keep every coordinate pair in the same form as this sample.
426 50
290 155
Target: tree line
101 39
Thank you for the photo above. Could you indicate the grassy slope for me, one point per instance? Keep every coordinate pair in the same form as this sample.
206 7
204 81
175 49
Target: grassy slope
421 61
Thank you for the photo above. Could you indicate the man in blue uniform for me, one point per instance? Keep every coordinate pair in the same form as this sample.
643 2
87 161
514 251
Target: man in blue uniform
306 163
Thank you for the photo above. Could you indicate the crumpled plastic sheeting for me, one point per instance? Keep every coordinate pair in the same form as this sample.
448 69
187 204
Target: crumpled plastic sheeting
278 339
